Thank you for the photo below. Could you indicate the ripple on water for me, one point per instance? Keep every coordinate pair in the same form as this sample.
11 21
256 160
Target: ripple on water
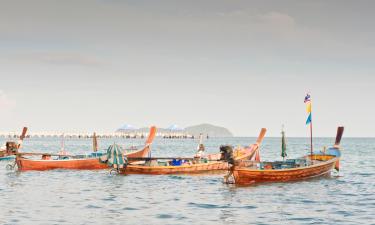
93 207
109 199
175 177
130 208
208 206
164 216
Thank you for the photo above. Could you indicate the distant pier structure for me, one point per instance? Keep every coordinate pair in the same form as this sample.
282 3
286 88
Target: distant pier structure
127 131
87 135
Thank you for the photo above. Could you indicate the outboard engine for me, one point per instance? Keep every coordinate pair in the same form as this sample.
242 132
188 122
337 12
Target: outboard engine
227 154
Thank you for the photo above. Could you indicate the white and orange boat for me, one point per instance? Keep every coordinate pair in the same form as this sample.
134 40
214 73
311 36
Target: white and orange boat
72 162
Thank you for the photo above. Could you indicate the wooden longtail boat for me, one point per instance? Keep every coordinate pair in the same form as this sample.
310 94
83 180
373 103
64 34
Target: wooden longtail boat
209 163
72 162
315 165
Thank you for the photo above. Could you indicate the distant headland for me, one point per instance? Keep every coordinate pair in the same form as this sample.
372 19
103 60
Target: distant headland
205 129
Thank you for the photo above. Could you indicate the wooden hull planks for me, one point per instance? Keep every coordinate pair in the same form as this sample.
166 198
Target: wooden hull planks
25 164
184 169
243 176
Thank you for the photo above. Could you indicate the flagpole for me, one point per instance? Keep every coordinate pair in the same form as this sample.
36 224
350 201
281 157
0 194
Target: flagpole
311 140
308 101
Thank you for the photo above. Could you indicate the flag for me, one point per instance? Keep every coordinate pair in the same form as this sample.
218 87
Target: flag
307 101
308 107
308 121
307 98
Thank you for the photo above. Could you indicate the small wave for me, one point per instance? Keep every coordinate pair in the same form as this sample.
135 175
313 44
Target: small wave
129 208
93 207
164 216
175 177
208 206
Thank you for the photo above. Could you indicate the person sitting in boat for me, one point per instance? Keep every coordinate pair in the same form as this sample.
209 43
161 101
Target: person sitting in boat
227 155
63 154
200 152
11 147
3 147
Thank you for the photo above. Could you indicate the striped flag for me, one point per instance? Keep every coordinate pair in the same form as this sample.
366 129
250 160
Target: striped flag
307 101
307 98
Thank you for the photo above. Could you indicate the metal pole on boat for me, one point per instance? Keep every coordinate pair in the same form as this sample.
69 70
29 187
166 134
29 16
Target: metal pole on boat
311 140
283 143
94 143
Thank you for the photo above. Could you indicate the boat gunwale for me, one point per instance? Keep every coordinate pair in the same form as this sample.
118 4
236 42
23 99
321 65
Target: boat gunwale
54 160
172 167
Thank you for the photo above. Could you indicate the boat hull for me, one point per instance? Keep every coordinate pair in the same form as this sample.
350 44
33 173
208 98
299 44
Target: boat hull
241 154
92 163
244 176
183 169
25 164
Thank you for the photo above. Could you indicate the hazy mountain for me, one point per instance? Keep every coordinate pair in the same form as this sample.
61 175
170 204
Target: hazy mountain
209 129
205 129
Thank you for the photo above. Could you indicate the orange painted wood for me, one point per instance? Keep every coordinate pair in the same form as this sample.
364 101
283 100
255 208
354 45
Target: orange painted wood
239 154
243 175
183 169
25 164
193 168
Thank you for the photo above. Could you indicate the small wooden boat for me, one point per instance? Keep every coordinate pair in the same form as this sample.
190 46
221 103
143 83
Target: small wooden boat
179 165
315 165
74 162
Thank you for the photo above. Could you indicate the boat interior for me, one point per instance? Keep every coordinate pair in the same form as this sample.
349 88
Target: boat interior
287 163
172 162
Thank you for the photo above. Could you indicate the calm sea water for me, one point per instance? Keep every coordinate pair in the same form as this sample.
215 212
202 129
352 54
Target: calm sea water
97 197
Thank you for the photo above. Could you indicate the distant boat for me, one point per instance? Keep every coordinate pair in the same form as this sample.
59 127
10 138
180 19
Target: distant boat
210 163
315 165
80 162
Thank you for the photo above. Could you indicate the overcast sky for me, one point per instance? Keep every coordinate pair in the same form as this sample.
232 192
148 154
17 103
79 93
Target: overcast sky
96 65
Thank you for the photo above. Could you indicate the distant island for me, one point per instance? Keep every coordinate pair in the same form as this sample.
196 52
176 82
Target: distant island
208 129
205 129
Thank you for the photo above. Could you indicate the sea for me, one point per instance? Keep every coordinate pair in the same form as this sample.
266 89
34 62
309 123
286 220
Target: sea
101 197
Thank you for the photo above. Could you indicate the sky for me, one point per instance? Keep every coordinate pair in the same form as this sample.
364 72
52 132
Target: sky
87 65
